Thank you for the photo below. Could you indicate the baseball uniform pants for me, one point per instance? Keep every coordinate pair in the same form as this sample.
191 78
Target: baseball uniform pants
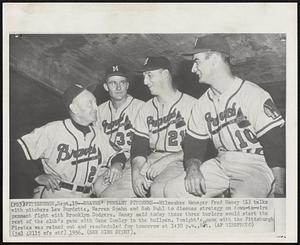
245 175
172 170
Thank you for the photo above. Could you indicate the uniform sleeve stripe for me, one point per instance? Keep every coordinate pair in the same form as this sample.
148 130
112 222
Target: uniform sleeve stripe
197 136
262 129
270 126
201 135
193 132
25 149
141 133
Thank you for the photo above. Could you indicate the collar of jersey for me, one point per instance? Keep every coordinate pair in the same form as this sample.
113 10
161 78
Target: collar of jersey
84 129
128 99
228 92
172 99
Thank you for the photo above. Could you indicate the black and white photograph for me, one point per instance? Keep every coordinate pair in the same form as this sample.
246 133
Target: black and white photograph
140 92
113 135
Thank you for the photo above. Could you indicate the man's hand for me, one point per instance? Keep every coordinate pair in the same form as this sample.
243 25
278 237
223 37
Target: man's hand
194 181
156 168
49 181
140 184
279 175
115 172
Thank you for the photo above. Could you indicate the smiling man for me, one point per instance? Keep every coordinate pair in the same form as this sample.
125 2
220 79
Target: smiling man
245 126
159 129
72 151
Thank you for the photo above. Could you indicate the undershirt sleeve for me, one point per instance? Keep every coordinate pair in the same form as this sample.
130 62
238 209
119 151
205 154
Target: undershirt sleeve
140 146
119 158
273 142
30 168
194 148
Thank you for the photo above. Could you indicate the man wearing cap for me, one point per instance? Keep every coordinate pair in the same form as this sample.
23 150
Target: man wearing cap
245 126
72 151
159 129
115 118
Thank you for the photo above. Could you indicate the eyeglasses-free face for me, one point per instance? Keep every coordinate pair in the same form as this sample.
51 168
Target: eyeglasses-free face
117 87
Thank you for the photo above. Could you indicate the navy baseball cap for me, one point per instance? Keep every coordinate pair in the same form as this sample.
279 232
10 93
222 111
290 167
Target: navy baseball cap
73 91
156 62
116 70
214 42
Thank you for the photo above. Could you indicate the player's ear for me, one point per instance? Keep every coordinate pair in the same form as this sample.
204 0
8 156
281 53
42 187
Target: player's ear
215 59
165 73
127 84
105 86
73 108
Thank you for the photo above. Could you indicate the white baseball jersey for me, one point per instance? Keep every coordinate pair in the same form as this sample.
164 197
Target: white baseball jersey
235 119
65 151
164 124
117 124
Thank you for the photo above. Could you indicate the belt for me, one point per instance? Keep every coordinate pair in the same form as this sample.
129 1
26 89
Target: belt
83 189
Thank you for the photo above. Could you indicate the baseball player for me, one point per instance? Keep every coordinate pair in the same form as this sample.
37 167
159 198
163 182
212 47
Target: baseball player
73 153
245 126
159 129
115 118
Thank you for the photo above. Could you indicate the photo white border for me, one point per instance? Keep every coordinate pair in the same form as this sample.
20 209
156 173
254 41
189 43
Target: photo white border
162 18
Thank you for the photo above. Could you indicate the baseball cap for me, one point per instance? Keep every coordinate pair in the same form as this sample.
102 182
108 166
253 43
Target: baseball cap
116 70
156 62
73 91
215 42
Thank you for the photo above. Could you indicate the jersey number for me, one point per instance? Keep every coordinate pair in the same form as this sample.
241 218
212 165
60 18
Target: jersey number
92 174
120 138
173 135
249 136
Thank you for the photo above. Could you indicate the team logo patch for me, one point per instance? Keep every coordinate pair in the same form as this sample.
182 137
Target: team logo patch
270 109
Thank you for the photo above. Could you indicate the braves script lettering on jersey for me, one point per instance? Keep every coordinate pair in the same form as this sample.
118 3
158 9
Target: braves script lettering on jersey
164 125
236 119
67 153
117 124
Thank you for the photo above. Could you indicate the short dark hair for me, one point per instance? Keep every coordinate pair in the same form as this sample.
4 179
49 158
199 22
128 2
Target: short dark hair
226 59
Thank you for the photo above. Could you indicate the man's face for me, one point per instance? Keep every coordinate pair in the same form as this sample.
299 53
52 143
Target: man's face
117 87
202 66
153 80
86 107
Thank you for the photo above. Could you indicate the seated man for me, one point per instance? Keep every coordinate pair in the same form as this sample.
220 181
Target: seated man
245 126
115 118
73 153
159 129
